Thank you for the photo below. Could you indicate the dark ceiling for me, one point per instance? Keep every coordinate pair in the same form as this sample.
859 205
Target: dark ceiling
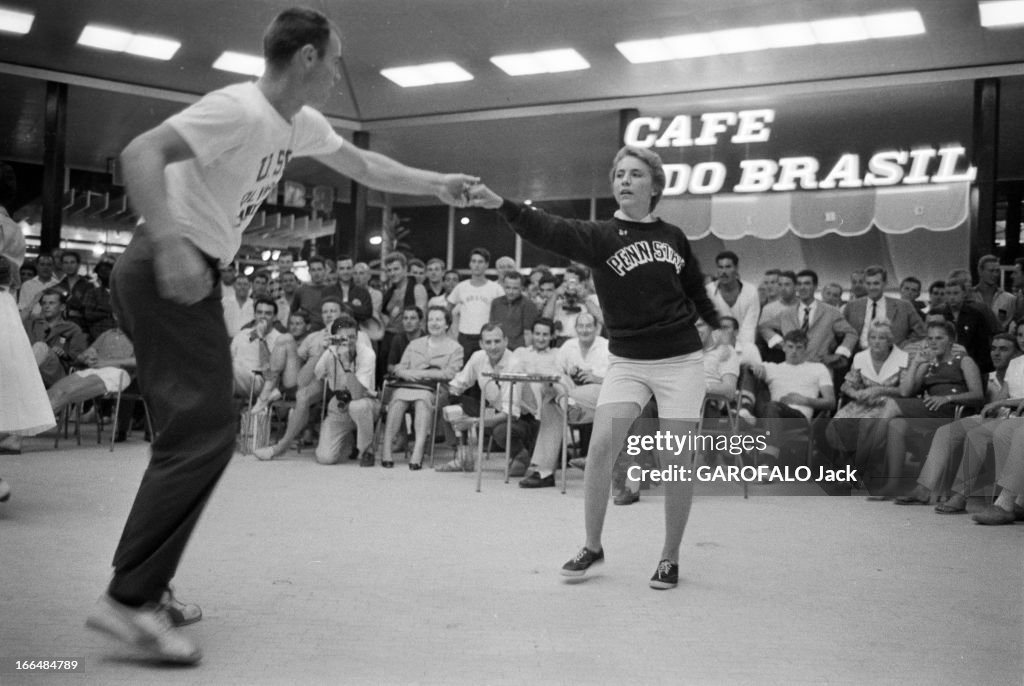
542 136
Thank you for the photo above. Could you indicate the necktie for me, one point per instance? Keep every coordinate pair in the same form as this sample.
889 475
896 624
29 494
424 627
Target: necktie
874 309
264 354
807 317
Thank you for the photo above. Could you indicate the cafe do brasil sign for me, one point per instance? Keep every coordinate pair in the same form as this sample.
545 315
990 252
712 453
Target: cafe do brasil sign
924 165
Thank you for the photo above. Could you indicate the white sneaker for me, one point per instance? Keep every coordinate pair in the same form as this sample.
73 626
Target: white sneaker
264 454
146 629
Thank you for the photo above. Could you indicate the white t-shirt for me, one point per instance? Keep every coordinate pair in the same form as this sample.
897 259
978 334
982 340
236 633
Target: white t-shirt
241 146
474 304
807 379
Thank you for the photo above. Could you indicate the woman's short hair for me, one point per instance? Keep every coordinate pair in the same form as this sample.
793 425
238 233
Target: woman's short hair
946 326
652 160
883 327
443 310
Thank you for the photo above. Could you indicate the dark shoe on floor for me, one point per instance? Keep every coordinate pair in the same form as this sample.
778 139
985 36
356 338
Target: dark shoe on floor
415 466
584 560
626 497
147 629
993 515
947 509
120 437
386 464
535 480
368 459
181 614
665 576
1018 513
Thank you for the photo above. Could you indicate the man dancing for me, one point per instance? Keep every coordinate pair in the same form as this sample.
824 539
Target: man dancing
197 179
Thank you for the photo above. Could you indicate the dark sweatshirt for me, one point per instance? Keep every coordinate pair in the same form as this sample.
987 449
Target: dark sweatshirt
647 279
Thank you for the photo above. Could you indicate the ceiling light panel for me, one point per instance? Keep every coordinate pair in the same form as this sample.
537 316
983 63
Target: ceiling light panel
15 22
240 63
117 40
427 74
544 62
1003 13
773 36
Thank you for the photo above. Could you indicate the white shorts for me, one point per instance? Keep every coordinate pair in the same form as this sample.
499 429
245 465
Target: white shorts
114 378
677 384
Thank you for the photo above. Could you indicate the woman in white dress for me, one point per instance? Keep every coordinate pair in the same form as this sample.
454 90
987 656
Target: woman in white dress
24 406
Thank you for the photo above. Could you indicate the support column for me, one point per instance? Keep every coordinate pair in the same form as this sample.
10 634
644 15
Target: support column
626 116
1013 201
54 149
354 213
986 159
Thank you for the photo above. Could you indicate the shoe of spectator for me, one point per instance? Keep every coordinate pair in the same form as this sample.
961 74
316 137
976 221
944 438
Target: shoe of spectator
579 463
147 629
993 515
516 469
626 497
120 437
261 405
535 480
584 560
665 576
5 491
181 614
368 459
1018 512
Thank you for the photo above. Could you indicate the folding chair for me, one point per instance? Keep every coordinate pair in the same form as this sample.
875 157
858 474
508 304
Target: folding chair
726 423
391 383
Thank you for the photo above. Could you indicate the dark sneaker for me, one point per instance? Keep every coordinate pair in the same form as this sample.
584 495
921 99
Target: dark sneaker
368 459
147 629
626 497
181 614
535 480
665 576
584 559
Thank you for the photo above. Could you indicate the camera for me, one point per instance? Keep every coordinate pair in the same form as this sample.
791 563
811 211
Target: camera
343 398
571 303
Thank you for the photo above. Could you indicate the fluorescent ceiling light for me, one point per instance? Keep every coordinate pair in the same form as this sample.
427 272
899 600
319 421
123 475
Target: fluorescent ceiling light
1003 13
427 74
153 46
544 62
690 45
116 40
842 30
15 22
788 35
104 38
894 24
240 63
738 40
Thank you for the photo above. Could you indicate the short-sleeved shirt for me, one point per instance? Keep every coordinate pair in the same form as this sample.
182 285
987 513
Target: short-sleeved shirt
241 146
807 379
474 303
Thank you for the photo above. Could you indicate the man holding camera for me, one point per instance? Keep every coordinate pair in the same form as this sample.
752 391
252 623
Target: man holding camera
573 299
349 368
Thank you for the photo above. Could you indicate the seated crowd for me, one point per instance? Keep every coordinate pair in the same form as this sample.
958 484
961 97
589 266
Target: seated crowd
912 396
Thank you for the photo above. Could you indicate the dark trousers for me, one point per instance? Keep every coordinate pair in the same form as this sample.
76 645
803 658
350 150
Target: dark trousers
184 370
470 344
524 429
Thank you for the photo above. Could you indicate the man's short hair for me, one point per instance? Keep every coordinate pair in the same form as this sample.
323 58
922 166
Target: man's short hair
1003 336
583 315
544 321
54 291
413 308
963 282
436 260
292 29
301 313
986 259
547 279
332 299
343 322
72 254
936 284
796 337
728 255
911 279
261 274
788 274
772 272
808 272
491 326
264 300
396 257
315 259
482 252
876 270
417 262
343 258
515 276
579 270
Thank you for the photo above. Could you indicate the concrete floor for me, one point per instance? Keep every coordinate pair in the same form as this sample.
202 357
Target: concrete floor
341 575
